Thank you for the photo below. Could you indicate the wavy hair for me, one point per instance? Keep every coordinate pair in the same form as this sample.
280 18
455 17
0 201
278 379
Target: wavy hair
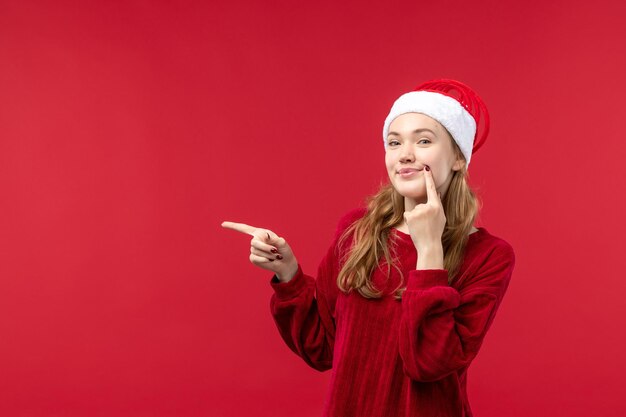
385 210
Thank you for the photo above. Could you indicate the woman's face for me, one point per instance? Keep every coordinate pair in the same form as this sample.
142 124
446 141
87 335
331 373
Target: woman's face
416 140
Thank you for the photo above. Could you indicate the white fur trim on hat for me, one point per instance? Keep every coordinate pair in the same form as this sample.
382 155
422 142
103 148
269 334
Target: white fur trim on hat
446 110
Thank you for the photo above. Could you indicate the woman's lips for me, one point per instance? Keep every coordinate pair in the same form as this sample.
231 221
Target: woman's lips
407 172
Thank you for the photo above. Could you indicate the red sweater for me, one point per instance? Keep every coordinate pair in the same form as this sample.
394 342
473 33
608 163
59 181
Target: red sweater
392 357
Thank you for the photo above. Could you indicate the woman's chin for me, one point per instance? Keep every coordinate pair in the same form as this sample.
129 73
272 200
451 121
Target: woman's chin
410 189
412 195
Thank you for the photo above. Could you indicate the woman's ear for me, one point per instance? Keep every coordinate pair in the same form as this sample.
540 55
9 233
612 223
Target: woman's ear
458 164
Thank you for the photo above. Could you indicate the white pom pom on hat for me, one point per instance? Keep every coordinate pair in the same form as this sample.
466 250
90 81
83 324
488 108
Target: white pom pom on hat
453 104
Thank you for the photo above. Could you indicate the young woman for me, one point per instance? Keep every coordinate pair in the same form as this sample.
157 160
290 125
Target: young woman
409 287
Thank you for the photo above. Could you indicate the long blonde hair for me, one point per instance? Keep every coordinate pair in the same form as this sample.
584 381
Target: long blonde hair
385 210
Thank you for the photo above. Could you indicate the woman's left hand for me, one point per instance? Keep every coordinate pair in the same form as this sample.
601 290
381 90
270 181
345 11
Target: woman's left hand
427 220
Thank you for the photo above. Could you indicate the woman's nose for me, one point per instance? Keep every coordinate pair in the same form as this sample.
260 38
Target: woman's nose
407 154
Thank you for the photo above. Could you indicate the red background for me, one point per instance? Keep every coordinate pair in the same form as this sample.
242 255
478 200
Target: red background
130 130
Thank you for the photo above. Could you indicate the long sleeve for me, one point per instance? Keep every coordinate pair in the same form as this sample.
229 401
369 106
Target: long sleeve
303 316
304 308
442 328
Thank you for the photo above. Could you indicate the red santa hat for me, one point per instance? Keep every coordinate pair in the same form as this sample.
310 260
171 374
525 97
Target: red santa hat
453 104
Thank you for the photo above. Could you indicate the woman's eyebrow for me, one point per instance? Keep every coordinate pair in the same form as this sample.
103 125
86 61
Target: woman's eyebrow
415 131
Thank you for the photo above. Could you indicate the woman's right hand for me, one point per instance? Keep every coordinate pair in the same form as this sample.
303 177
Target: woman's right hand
268 250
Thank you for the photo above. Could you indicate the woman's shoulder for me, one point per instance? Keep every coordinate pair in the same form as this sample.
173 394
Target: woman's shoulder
347 219
350 217
489 261
486 243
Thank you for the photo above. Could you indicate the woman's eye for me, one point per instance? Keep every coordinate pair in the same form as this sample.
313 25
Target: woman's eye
421 140
393 142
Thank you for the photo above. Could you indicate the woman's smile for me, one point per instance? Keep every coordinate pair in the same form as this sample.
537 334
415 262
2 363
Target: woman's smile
408 172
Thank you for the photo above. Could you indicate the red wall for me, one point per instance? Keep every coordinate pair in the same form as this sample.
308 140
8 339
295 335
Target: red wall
129 131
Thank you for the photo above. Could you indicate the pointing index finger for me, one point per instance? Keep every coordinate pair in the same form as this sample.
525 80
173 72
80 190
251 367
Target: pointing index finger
239 227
